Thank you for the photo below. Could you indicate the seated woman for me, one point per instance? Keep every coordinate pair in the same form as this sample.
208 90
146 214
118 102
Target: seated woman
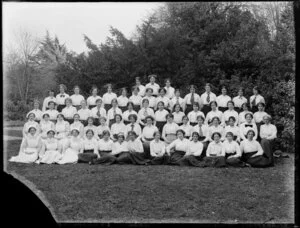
246 126
158 150
177 100
97 112
78 125
136 150
232 151
84 113
102 127
178 148
144 112
242 114
228 113
147 134
138 84
216 127
136 99
268 132
203 132
69 111
186 127
108 97
73 147
120 150
51 97
214 112
222 100
178 114
162 98
123 100
231 127
117 127
170 91
253 154
62 129
37 112
190 99
194 113
90 148
215 153
169 131
150 98
152 85
30 147
160 116
30 123
255 99
45 126
90 126
193 154
91 100
51 150
76 97
61 97
133 126
258 117
51 111
128 112
111 114
239 100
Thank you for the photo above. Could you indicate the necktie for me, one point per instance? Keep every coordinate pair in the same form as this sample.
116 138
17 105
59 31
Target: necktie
114 112
192 98
145 113
248 125
241 97
177 100
253 101
200 131
208 98
98 113
132 127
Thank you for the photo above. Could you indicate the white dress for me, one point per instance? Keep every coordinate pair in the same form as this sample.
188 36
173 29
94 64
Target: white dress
29 150
75 145
62 129
45 127
51 150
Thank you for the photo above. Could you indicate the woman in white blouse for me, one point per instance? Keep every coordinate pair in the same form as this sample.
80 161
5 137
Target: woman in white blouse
268 132
258 117
255 99
170 91
178 114
130 110
216 127
194 113
90 148
77 125
147 133
141 88
204 133
108 97
207 97
150 98
91 126
136 150
252 152
76 97
136 99
228 113
117 127
214 112
61 97
178 148
193 154
62 129
98 112
123 100
51 111
242 114
188 129
215 153
120 150
177 100
102 127
190 99
112 112
51 97
232 151
69 111
169 130
133 126
231 127
144 112
158 150
223 99
162 98
31 123
37 112
239 100
154 86
91 100
84 113
160 116
246 126
45 126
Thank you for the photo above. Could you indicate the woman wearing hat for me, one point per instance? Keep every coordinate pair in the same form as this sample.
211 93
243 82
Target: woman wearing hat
76 97
245 110
154 86
169 131
73 147
214 112
149 97
30 123
128 112
51 150
102 127
144 112
253 154
216 127
108 97
78 125
178 148
111 114
255 99
37 112
246 126
215 153
51 111
147 134
91 101
117 127
258 117
192 115
141 88
46 125
62 129
239 100
206 98
61 97
203 132
160 116
84 113
232 151
170 91
123 100
133 126
231 127
162 98
91 126
228 113
47 99
190 99
90 148
268 132
30 147
193 154
178 115
69 111
120 150
98 112
158 154
136 99
186 127
177 100
136 150
223 99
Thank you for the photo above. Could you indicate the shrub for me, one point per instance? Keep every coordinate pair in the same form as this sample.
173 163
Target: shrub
16 110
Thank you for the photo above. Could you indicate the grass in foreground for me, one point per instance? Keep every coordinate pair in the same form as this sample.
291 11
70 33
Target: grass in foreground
164 193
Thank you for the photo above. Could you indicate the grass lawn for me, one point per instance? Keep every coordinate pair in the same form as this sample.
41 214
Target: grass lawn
11 132
163 193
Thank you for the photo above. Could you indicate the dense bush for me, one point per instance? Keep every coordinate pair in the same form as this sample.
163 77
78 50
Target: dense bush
16 110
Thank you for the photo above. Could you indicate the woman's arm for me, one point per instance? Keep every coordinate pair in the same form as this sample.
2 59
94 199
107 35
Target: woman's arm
169 147
208 151
274 133
238 150
259 150
164 133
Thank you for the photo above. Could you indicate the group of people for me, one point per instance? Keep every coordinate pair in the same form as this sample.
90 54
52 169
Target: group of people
155 125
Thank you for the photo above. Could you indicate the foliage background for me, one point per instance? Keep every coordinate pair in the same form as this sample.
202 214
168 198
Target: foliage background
232 44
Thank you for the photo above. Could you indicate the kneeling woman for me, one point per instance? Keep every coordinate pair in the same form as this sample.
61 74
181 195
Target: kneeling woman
193 155
73 147
30 147
178 148
90 148
252 152
232 151
158 150
135 147
215 153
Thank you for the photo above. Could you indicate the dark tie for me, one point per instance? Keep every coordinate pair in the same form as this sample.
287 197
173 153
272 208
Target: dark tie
114 112
145 113
248 125
208 98
192 98
253 101
177 101
132 127
200 131
98 113
240 97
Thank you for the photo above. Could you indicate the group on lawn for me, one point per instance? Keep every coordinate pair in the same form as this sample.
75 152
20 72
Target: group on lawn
154 126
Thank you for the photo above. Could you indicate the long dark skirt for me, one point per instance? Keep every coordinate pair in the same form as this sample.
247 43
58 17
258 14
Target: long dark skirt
217 161
254 109
206 109
124 158
77 107
193 123
146 146
38 121
96 122
111 122
92 106
258 130
136 108
191 160
235 162
258 162
188 108
84 122
138 158
87 156
222 109
238 110
107 107
160 125
60 107
205 145
126 122
53 121
163 160
175 157
70 120
105 158
123 108
267 146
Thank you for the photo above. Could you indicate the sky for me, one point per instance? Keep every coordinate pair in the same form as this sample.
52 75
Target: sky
69 21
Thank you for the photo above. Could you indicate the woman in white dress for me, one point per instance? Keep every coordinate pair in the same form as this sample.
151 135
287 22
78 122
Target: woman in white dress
73 147
62 129
160 116
136 99
37 112
51 150
147 134
108 97
90 126
136 150
170 91
231 127
129 111
214 112
158 153
216 127
52 111
69 110
242 114
188 129
258 117
46 125
61 97
84 112
255 99
30 147
111 114
76 97
178 114
90 148
144 112
123 100
30 123
117 127
102 127
228 113
78 125
215 153
91 100
162 97
169 130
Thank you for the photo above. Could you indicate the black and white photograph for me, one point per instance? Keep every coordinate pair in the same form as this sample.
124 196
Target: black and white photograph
150 112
